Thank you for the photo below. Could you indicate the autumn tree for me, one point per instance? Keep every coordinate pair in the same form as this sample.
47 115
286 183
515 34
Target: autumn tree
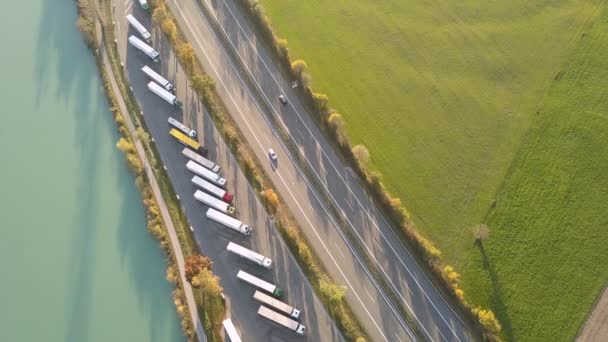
298 66
185 52
195 264
272 200
361 155
160 13
168 26
201 83
332 292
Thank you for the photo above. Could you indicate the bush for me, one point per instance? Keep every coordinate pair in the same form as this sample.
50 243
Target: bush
362 157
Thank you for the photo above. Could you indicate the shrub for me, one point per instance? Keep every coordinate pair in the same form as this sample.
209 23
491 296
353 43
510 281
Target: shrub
362 156
298 67
169 28
272 200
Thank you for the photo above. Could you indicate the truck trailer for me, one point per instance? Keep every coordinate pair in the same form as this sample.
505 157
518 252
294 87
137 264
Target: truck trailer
144 4
276 304
260 284
281 320
212 189
139 28
231 331
249 255
163 94
214 202
145 48
188 131
154 76
206 173
228 221
188 153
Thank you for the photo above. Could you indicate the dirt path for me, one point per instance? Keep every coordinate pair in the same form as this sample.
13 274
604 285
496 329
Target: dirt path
596 326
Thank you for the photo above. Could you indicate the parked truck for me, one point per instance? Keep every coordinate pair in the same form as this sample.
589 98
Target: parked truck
163 94
156 77
144 4
201 160
276 304
139 28
214 202
188 131
281 320
212 189
231 331
206 173
259 283
145 48
228 221
249 255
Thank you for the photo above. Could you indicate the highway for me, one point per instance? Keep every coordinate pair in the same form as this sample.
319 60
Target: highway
211 237
243 68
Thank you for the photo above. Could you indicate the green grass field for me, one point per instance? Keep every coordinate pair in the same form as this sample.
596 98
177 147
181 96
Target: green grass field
439 92
547 258
443 94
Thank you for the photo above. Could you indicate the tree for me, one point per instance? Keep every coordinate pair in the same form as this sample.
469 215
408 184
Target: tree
125 145
195 264
337 123
272 200
361 155
168 26
160 13
481 232
332 292
298 66
185 52
322 102
201 83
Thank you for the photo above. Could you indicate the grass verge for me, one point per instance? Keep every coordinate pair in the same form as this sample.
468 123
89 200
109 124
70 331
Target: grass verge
155 224
330 294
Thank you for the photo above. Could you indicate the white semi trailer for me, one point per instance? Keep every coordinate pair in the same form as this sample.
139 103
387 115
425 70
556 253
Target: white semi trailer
163 94
212 189
188 131
206 173
260 284
281 320
154 76
188 153
214 202
144 4
228 221
276 304
231 331
139 28
249 255
145 48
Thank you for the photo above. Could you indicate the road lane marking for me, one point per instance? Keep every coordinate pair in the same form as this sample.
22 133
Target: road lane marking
347 186
282 180
339 251
369 295
127 10
311 188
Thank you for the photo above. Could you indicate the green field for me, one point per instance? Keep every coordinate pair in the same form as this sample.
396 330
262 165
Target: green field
441 93
548 257
445 95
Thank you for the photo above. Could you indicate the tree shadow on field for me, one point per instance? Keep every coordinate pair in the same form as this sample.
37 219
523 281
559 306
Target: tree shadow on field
497 303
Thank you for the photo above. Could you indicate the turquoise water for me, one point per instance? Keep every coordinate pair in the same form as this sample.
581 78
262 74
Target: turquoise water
77 262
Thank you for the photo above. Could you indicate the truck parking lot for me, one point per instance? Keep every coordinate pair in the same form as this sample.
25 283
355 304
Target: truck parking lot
212 237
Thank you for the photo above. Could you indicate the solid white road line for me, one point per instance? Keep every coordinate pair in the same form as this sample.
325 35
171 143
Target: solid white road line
282 180
327 157
410 309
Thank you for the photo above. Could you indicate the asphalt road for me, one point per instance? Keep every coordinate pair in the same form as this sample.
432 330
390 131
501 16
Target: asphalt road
212 237
436 320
